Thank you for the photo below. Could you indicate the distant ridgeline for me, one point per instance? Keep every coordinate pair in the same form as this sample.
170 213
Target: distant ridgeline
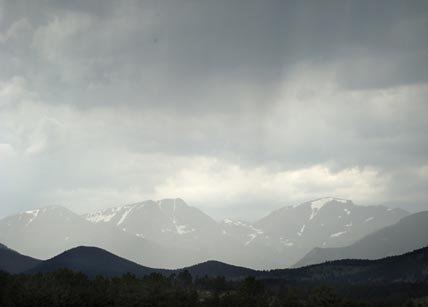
90 276
170 234
93 261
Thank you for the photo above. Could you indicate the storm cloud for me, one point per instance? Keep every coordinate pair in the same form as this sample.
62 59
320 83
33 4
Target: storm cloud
235 106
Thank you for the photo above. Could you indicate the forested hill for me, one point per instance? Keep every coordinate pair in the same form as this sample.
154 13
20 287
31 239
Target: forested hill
411 266
94 261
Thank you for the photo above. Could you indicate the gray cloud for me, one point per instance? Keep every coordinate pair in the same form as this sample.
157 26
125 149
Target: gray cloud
133 51
106 101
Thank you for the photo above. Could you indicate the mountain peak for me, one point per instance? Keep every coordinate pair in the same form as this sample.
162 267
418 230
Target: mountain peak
319 203
83 250
171 203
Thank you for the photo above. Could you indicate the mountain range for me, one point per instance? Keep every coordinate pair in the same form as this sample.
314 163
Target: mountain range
169 233
409 267
277 240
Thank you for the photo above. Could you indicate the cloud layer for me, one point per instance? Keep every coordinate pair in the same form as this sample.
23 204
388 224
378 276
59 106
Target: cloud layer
235 106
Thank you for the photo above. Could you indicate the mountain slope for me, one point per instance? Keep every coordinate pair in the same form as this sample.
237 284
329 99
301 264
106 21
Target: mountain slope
408 234
13 262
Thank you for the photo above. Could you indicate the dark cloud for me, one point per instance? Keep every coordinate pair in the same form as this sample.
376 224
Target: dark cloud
169 53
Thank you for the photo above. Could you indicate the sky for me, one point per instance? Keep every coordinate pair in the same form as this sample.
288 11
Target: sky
236 106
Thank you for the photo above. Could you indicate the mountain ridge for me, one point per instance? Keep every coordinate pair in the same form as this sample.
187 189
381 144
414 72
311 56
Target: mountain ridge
408 234
95 261
407 267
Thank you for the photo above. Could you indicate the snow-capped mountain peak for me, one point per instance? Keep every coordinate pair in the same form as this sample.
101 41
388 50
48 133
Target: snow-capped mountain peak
118 215
168 221
326 222
320 202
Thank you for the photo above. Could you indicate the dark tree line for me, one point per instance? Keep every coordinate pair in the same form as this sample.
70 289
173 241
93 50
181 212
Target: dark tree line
66 288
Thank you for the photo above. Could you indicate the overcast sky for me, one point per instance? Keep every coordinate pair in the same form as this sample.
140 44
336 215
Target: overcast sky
238 107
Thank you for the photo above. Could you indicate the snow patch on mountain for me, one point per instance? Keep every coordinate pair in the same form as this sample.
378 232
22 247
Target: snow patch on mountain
337 234
102 217
243 230
301 230
245 225
252 237
183 229
122 219
235 223
286 242
316 205
108 215
179 229
34 214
